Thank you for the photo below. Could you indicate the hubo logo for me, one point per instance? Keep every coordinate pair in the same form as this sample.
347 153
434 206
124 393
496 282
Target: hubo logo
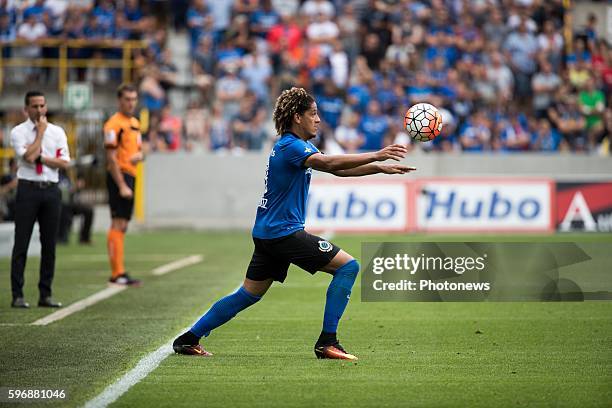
413 264
495 206
325 246
356 206
481 205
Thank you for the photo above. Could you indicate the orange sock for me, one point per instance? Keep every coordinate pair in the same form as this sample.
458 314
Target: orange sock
115 251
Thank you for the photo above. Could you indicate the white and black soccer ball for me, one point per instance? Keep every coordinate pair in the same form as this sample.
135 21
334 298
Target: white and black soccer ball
423 122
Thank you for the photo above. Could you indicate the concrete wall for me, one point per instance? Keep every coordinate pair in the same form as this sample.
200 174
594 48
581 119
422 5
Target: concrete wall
603 11
7 239
211 191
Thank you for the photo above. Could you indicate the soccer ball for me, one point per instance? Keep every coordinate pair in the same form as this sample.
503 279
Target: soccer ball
423 122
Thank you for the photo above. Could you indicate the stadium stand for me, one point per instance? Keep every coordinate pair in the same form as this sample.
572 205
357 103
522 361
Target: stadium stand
508 75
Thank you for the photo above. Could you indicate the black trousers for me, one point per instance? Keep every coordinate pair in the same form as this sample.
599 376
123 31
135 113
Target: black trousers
69 211
35 202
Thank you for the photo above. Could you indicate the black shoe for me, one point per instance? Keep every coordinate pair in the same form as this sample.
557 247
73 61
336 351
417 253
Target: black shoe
20 303
125 280
48 302
333 351
182 346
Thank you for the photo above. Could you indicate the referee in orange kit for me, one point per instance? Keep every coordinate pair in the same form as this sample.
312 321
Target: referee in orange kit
123 144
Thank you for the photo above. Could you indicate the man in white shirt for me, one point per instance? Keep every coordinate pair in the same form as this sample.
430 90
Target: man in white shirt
311 8
31 30
41 149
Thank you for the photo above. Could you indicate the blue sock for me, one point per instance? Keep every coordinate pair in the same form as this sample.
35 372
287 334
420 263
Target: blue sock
338 294
223 310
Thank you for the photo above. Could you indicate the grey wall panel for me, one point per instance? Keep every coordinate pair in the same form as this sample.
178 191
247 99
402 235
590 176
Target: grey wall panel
216 191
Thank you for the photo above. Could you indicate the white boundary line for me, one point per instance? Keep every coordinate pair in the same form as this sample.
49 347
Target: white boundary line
144 367
111 291
80 305
132 257
181 263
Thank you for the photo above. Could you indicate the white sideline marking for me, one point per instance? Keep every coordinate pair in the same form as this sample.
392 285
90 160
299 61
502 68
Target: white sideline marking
132 257
144 367
80 305
181 263
111 291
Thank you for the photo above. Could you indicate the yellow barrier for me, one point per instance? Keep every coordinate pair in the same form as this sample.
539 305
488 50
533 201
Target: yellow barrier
63 62
6 153
139 199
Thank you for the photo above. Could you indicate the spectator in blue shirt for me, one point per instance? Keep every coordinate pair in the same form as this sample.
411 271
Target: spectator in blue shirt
420 91
330 106
514 136
263 19
8 31
545 138
133 19
9 8
442 44
197 21
38 9
105 18
375 127
476 133
229 55
93 30
386 96
358 97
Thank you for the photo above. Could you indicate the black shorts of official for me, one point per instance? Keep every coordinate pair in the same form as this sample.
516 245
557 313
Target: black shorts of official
271 257
120 207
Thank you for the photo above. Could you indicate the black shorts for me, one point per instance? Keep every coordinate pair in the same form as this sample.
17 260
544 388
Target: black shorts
120 207
271 257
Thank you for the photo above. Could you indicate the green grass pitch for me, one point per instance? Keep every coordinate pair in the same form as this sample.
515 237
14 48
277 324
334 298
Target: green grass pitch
411 354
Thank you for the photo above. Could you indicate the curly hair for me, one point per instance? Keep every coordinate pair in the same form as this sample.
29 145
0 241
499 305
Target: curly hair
290 102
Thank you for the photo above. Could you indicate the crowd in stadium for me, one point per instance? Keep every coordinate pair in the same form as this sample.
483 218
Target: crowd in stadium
501 71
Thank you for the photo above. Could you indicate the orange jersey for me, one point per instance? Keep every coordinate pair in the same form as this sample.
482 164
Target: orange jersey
123 134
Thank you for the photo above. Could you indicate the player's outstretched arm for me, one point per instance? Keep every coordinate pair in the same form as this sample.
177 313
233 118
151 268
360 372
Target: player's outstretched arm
334 163
374 168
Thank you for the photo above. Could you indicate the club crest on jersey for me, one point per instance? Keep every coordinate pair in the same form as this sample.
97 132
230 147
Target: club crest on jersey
308 150
325 246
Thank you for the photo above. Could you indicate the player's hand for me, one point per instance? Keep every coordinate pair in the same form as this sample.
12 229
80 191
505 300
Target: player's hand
41 125
126 192
137 157
393 152
395 169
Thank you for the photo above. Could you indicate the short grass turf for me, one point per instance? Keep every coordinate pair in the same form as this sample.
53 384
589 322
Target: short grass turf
411 354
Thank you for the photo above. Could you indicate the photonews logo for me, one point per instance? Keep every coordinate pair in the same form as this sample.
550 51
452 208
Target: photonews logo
485 271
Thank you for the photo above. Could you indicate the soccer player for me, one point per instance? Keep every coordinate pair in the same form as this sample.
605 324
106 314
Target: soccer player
279 234
123 144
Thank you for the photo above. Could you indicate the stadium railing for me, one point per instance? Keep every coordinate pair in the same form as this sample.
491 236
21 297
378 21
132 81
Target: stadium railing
63 62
